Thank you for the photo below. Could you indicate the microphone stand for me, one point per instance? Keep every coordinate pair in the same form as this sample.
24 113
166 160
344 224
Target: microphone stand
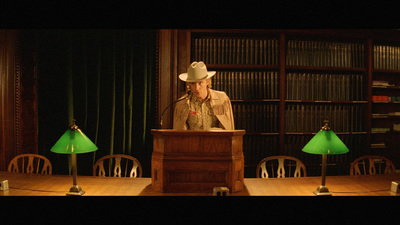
162 114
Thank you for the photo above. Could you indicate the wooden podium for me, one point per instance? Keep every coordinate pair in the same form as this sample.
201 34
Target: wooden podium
197 161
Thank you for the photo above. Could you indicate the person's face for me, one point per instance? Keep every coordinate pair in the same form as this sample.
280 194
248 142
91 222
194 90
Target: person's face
199 89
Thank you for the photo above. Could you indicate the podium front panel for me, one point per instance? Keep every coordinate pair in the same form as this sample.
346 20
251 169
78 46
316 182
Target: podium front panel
197 161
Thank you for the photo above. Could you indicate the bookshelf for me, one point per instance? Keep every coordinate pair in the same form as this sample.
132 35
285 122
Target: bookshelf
284 83
385 116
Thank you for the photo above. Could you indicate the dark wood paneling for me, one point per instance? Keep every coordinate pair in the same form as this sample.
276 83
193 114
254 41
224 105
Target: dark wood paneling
7 90
18 108
27 114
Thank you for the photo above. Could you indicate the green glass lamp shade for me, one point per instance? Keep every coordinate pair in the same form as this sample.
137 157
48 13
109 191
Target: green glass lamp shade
325 142
73 141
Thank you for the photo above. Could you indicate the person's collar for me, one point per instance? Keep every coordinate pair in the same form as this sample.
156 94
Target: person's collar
213 95
208 97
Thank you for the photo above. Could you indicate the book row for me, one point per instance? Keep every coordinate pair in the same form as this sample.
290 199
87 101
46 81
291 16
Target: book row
378 145
235 51
386 57
324 54
380 129
385 115
381 84
395 127
309 118
324 87
384 98
263 118
299 53
256 117
256 148
244 85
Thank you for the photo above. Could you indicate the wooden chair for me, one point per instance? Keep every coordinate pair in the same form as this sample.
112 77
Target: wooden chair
30 163
265 169
121 163
369 163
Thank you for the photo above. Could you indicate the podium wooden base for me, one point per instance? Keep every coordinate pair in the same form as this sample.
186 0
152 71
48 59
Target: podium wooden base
197 161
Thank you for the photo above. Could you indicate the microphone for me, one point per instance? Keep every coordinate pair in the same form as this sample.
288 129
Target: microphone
162 114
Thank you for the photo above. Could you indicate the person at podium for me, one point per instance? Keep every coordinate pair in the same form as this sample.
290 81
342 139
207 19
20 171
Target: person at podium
202 108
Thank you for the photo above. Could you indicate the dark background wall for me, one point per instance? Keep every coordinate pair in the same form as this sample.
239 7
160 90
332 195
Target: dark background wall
102 78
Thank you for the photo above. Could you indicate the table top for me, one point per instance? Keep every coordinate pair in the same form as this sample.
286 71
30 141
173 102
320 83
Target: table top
58 185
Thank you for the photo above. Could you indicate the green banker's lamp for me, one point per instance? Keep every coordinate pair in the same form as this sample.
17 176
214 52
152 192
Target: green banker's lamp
73 142
324 143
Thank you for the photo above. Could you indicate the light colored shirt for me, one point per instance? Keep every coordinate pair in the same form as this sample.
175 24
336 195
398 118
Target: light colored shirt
201 116
221 107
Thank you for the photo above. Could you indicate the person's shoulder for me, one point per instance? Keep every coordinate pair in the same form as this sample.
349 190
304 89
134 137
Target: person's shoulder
221 93
181 98
181 101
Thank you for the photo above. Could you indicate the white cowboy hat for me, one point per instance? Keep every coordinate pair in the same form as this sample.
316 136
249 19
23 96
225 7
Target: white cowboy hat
197 71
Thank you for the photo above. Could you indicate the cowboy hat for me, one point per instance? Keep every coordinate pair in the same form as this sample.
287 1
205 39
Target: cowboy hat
197 71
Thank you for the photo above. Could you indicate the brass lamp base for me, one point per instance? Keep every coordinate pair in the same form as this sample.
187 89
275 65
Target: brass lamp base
322 191
75 190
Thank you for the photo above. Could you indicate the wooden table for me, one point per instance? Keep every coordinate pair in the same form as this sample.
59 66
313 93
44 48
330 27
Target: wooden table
58 185
366 185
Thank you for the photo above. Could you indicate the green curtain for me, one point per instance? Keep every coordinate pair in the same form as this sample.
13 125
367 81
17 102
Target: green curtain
104 80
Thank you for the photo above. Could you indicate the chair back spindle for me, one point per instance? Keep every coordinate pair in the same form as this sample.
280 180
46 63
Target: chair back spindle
284 168
117 167
30 163
369 164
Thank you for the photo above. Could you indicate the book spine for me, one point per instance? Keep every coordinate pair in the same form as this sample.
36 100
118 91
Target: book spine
386 57
324 54
323 87
309 118
249 51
